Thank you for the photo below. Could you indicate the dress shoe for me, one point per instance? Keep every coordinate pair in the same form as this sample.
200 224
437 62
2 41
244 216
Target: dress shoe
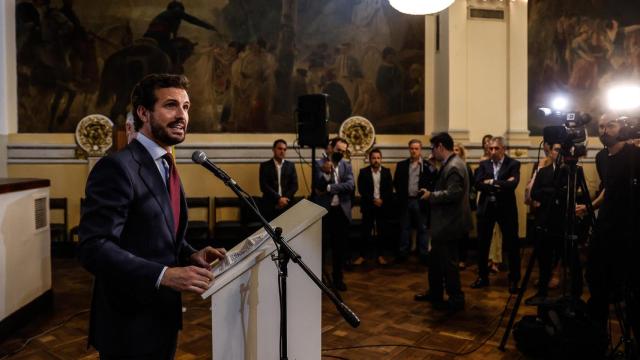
535 300
480 283
427 297
382 261
358 261
340 285
513 287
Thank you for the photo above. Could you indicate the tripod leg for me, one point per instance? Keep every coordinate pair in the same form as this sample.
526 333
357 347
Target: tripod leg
516 305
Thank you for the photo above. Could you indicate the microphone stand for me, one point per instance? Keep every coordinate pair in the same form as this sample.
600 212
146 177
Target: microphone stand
284 254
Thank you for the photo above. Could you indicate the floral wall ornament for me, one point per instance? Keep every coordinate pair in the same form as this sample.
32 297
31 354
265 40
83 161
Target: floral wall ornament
359 133
94 135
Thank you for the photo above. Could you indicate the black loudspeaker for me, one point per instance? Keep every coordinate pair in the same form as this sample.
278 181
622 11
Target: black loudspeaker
312 120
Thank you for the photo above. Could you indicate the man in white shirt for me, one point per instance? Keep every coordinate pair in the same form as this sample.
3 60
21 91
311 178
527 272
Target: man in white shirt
278 182
132 232
375 186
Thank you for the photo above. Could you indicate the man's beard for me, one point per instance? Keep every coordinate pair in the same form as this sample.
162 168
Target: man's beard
161 133
608 140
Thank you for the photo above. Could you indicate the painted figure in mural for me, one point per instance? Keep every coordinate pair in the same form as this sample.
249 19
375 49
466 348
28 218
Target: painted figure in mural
338 99
252 87
367 101
389 81
414 89
135 62
164 27
56 57
299 84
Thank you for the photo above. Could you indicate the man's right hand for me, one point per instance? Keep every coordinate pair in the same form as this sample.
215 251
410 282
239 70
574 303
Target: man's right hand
190 278
327 167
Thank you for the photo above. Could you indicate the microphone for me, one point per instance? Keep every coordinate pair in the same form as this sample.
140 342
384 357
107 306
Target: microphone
199 157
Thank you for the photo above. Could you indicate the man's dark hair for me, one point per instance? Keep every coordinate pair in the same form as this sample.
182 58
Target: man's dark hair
442 138
144 93
279 141
375 150
336 140
415 141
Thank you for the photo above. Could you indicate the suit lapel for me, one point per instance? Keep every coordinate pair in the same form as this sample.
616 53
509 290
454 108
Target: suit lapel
505 163
149 174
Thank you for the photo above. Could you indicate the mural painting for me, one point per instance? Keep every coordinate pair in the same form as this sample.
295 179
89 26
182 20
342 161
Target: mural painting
579 49
248 61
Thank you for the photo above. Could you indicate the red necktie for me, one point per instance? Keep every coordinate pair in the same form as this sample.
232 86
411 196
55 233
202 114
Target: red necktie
173 185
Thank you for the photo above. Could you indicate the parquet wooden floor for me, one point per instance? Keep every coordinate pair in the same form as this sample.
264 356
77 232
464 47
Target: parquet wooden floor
381 296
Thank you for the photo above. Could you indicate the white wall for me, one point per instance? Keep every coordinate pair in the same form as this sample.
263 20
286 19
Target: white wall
8 83
480 72
487 78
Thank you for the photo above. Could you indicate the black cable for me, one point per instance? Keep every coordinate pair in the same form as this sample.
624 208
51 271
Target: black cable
303 161
463 353
55 327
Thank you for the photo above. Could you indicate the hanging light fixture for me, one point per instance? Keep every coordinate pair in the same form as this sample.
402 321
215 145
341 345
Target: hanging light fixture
420 7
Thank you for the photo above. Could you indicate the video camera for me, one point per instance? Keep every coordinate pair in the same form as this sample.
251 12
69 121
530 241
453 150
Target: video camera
572 135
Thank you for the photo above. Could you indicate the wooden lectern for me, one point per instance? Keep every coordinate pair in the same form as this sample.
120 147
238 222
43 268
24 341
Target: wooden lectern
245 312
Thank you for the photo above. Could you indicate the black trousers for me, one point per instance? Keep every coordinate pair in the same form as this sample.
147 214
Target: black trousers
611 278
335 229
548 245
372 218
443 269
166 351
509 226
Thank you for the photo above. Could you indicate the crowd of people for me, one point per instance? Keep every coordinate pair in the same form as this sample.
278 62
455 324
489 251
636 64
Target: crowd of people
433 196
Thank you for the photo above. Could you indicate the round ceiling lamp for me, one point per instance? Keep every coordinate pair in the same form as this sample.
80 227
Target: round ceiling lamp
420 7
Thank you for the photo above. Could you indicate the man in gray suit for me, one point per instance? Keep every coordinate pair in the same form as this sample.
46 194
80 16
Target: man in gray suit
334 186
450 220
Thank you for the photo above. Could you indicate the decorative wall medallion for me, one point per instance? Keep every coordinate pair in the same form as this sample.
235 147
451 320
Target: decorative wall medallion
359 133
94 134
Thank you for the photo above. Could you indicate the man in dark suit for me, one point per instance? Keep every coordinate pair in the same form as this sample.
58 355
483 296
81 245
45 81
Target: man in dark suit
334 186
132 232
376 191
450 221
410 176
278 182
496 179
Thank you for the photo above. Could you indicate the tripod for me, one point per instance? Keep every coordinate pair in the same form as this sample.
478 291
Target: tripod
626 341
575 181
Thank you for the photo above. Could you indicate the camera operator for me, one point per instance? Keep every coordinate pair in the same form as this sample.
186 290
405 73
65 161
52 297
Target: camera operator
546 191
601 163
614 244
550 190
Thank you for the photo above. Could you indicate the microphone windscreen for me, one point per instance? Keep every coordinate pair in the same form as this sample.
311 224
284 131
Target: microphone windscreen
199 157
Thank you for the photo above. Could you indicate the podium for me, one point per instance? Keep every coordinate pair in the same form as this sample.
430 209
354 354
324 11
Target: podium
245 308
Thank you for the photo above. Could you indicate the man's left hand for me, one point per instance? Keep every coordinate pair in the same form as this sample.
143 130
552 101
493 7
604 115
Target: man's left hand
425 194
282 203
206 256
